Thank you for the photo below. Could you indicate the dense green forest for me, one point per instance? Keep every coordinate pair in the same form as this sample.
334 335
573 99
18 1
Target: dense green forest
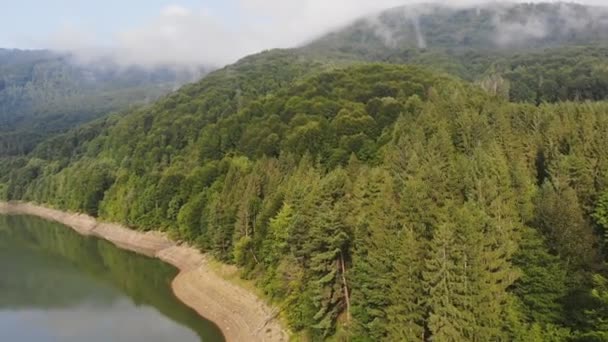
529 52
371 201
44 92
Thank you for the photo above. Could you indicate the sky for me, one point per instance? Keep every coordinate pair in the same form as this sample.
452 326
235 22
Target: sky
152 32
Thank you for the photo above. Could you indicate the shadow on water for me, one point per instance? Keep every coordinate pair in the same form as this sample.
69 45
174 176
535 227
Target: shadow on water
48 266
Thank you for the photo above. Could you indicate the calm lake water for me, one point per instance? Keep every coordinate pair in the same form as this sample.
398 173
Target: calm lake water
57 286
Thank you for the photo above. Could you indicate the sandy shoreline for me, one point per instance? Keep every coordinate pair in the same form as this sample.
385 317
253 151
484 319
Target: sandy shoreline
240 314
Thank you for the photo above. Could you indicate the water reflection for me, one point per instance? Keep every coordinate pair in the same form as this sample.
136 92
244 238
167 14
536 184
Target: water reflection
58 286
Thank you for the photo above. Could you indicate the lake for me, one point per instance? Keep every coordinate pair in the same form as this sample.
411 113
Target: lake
58 286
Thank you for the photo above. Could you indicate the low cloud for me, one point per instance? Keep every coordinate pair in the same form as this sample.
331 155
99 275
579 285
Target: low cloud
510 26
539 25
510 33
181 35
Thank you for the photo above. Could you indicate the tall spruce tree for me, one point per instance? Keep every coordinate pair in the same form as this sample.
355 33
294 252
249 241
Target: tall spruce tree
329 247
406 309
446 320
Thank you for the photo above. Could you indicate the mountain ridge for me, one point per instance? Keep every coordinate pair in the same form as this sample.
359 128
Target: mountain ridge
487 26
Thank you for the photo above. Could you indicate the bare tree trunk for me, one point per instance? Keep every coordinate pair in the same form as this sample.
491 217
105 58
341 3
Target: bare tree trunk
345 285
254 257
247 223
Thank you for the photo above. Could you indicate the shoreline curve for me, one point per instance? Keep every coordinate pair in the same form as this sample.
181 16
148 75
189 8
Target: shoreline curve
239 313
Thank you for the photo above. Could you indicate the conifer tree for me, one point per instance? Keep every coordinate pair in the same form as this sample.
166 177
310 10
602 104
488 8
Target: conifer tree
440 275
406 310
329 248
542 286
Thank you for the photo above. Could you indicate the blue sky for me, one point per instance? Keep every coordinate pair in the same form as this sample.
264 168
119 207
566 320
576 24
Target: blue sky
26 23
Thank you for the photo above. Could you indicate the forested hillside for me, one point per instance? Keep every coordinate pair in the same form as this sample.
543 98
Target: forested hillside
43 92
527 52
492 26
386 201
371 201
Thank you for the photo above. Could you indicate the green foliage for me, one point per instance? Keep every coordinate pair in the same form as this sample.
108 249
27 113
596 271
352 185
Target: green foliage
562 220
542 286
597 316
373 202
278 234
576 73
601 215
490 44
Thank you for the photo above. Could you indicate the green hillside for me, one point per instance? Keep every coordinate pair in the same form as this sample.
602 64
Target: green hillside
373 201
527 52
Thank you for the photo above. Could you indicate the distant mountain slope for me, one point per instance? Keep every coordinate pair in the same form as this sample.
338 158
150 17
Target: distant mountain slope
43 92
535 53
499 27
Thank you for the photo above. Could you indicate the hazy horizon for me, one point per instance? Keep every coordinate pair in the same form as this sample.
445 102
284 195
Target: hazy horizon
189 32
